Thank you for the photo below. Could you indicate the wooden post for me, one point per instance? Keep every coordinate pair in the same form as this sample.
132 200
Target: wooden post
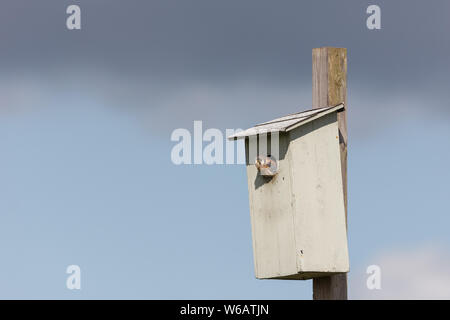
329 77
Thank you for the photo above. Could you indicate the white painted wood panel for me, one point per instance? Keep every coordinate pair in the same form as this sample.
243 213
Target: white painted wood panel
319 218
272 220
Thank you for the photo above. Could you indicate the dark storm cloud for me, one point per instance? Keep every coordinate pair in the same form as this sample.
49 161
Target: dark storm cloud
233 38
204 59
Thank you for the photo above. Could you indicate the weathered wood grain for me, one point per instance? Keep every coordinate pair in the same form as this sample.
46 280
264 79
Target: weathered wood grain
329 81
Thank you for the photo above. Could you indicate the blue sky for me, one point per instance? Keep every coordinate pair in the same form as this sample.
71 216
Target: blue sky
89 185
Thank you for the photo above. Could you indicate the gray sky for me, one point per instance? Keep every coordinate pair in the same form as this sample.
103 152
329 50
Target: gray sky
217 40
243 55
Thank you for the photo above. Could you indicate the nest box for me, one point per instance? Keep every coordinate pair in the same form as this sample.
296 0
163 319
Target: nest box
296 195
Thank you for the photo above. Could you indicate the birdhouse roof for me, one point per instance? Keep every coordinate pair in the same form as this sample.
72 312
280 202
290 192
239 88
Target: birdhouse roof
287 123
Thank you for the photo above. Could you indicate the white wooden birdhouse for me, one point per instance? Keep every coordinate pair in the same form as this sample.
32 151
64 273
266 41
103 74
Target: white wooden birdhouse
296 195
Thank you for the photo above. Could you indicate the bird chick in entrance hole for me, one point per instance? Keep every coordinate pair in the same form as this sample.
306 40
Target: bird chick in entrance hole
266 165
